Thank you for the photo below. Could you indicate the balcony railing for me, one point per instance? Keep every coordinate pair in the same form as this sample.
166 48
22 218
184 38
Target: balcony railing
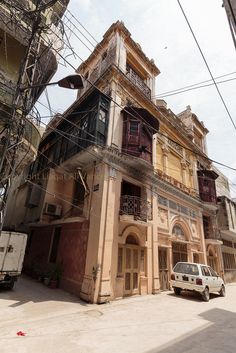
137 80
136 206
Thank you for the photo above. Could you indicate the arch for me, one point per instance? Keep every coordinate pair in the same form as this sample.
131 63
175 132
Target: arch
211 251
212 257
178 231
136 233
132 239
180 223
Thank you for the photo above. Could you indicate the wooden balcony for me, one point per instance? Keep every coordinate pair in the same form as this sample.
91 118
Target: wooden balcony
137 207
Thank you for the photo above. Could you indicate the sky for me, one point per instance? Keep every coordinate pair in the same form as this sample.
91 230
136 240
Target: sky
160 28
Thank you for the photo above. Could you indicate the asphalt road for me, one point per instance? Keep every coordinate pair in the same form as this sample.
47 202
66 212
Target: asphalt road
55 322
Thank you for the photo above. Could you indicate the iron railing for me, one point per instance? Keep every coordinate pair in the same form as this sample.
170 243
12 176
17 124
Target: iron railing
138 81
136 206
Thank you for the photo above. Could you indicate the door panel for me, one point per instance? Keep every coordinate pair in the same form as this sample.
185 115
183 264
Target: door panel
132 269
163 269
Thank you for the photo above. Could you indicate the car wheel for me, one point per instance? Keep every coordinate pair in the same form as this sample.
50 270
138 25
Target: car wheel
222 291
206 295
177 290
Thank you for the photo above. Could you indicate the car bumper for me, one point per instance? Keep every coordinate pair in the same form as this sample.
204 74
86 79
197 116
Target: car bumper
187 286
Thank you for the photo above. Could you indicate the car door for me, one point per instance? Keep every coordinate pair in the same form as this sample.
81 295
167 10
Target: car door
216 280
207 278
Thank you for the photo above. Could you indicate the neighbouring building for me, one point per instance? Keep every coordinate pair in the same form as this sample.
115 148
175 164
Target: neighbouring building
24 61
230 9
226 217
122 187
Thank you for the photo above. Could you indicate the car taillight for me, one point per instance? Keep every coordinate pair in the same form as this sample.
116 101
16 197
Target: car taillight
199 281
172 276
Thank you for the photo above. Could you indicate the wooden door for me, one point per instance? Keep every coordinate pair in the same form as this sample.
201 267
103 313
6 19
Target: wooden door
163 269
132 264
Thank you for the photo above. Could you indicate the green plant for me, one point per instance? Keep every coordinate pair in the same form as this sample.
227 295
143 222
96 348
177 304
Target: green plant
56 272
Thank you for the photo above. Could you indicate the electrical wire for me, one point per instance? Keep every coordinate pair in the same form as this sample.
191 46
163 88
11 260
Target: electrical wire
193 88
192 85
206 63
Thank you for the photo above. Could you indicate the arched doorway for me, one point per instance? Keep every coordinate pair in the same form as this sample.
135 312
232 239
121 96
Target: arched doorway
211 259
179 246
134 264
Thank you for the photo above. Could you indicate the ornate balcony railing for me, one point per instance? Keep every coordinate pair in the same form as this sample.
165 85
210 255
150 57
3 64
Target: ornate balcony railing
137 80
136 206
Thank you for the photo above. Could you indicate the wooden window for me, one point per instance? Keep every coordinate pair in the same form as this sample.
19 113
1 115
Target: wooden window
142 262
120 261
133 127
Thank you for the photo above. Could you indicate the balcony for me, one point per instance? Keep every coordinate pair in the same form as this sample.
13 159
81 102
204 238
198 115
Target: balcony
137 207
138 81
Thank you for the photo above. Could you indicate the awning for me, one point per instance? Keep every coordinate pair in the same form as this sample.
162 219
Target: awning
143 114
208 173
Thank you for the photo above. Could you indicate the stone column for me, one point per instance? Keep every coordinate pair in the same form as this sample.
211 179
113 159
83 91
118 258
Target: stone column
155 260
109 230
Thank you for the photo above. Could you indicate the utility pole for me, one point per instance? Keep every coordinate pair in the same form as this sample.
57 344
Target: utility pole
23 100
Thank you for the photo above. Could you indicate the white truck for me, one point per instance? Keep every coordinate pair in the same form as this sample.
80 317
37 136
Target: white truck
12 251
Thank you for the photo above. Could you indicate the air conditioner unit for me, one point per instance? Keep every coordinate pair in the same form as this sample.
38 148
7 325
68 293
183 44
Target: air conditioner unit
52 209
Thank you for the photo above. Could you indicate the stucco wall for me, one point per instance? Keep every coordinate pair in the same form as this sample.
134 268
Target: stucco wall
72 255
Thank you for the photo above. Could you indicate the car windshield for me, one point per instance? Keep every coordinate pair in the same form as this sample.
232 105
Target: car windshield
189 269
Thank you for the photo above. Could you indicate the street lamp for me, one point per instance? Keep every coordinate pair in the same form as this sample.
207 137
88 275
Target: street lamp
72 82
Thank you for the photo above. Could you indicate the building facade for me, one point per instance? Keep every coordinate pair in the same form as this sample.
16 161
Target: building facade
30 36
226 220
230 9
121 185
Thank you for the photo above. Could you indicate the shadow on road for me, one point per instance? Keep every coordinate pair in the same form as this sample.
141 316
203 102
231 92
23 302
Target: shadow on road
217 336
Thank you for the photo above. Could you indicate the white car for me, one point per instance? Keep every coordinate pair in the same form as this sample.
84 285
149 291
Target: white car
196 277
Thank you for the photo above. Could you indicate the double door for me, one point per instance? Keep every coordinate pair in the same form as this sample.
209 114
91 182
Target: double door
132 269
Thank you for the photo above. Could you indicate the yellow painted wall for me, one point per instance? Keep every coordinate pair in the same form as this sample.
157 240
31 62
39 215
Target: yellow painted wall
174 166
159 158
11 54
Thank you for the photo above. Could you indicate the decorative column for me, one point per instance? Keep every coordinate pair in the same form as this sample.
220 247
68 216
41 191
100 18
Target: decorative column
155 259
184 167
165 151
106 257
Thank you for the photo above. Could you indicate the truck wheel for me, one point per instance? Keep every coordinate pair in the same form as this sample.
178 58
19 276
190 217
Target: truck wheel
206 295
222 291
177 290
11 284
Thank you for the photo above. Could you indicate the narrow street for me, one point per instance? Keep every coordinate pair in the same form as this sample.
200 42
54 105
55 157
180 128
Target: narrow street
55 321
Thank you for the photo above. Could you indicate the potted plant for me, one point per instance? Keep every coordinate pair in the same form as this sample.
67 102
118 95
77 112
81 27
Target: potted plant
55 276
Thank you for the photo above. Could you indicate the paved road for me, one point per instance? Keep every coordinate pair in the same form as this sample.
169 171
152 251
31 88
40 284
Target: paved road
56 322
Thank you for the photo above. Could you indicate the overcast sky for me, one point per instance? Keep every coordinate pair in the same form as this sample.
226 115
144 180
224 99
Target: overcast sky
161 30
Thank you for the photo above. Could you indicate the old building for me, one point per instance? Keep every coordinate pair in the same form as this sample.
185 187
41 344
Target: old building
226 218
230 9
121 185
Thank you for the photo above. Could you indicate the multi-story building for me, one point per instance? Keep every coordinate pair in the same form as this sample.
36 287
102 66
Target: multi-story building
226 218
121 185
30 35
230 8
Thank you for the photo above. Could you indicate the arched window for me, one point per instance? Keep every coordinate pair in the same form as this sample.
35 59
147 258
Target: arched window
178 232
131 240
